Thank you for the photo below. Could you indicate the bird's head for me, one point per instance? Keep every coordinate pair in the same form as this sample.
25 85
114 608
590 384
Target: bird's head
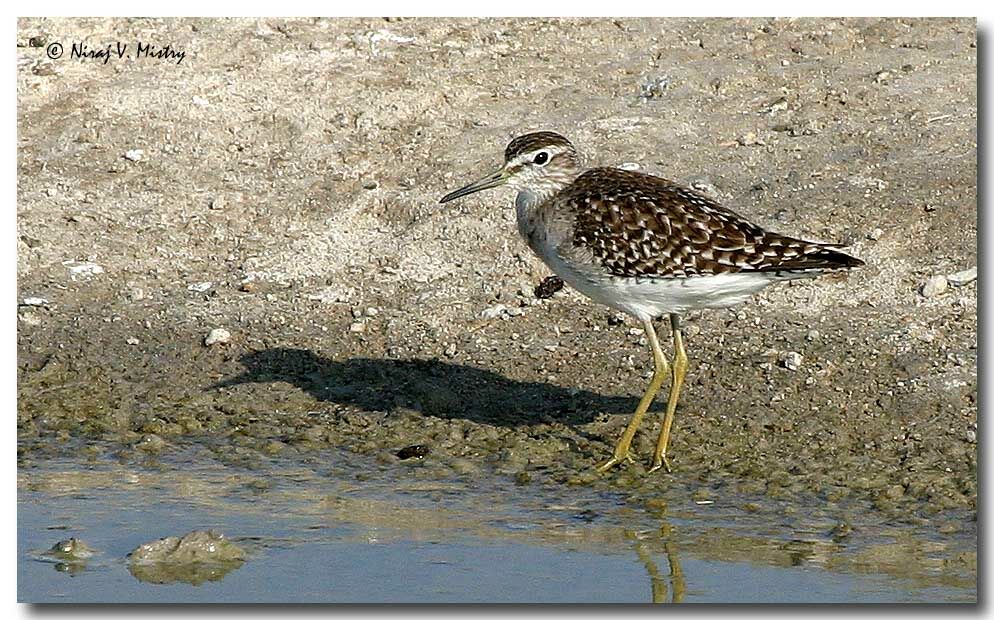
541 163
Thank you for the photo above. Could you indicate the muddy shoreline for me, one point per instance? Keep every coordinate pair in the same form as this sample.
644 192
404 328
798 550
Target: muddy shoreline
288 195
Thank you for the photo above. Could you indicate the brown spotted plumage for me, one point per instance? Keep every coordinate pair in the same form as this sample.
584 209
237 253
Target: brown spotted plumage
638 225
645 246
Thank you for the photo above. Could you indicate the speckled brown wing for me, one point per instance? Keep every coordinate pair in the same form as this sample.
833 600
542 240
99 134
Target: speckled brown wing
639 225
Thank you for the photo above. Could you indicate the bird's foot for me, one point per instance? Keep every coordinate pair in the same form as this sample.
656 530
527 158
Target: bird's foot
615 460
661 461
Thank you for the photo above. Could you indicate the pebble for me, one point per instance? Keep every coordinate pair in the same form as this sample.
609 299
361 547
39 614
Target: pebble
84 270
200 287
792 360
218 335
357 327
34 301
875 234
198 100
134 154
936 285
132 341
750 139
372 311
450 351
961 278
494 311
29 318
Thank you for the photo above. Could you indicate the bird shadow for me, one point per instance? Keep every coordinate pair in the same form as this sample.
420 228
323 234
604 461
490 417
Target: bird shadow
430 386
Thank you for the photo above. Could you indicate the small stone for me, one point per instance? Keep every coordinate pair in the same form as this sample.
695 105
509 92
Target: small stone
216 203
248 286
616 319
812 335
38 40
961 278
934 286
218 335
654 87
200 287
750 139
372 311
357 327
200 101
84 270
29 318
370 185
549 287
132 341
971 436
45 68
134 155
791 360
450 351
413 452
882 76
494 311
875 234
34 301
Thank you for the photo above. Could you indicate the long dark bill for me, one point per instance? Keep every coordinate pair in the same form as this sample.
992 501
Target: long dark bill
491 180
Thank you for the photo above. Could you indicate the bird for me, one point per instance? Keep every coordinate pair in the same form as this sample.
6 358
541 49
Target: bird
645 246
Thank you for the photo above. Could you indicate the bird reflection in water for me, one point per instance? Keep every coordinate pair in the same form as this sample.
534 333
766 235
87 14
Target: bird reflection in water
661 584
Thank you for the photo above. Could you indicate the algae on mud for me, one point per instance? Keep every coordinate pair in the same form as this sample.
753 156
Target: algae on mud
354 305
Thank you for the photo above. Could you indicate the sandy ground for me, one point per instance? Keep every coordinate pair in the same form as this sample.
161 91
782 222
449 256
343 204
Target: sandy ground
286 190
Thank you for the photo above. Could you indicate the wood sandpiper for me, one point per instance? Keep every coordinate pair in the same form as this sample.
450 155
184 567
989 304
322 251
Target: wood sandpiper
645 246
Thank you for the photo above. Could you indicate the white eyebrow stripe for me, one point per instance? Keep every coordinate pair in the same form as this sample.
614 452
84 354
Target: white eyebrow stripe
527 157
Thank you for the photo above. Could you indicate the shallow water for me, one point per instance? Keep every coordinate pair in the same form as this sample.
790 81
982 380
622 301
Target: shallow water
350 529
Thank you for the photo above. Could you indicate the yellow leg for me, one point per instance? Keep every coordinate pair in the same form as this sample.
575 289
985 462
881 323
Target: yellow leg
660 374
679 372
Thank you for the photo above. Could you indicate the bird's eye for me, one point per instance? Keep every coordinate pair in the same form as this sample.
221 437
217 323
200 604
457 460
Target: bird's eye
542 158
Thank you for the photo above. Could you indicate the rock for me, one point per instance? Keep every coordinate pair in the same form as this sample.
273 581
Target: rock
413 452
70 550
750 139
218 335
195 558
875 234
450 351
549 287
654 87
791 360
357 327
200 101
331 295
151 443
200 287
84 270
960 278
34 301
812 335
372 311
494 312
934 286
133 341
134 155
29 318
38 40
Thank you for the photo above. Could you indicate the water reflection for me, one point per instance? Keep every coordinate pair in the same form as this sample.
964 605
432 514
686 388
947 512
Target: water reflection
661 584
